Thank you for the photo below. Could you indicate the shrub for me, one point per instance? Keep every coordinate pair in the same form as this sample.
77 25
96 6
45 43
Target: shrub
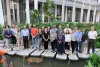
1 29
95 60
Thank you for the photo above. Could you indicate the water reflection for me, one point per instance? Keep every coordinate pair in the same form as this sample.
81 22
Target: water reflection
47 62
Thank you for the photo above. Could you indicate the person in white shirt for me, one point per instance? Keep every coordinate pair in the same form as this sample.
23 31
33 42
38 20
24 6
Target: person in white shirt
92 35
67 28
67 40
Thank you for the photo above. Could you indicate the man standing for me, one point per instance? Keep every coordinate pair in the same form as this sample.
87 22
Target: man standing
34 33
25 35
67 28
92 35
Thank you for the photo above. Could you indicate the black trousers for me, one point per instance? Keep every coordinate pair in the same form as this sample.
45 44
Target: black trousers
76 46
60 48
91 43
25 41
73 44
45 45
67 45
53 45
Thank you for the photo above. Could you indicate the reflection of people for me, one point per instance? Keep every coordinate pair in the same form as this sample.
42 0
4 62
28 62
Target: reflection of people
25 35
60 46
92 35
7 35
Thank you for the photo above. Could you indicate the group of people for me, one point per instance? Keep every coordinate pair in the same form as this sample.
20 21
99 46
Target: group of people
60 40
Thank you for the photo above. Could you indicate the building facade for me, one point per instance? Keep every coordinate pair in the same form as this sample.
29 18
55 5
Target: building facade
20 11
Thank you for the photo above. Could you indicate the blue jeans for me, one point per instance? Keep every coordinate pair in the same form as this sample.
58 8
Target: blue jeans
80 46
35 41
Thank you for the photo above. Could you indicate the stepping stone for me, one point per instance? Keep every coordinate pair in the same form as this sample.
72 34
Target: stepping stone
48 53
72 57
12 52
83 55
37 53
25 52
61 57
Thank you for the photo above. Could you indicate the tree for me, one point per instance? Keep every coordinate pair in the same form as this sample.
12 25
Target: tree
35 16
47 10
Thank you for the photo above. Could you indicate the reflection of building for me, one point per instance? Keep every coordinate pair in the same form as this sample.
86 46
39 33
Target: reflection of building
18 11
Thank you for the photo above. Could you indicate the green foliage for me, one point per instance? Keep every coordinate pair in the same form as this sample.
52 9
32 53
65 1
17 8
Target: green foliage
89 64
35 16
97 42
95 60
1 29
48 10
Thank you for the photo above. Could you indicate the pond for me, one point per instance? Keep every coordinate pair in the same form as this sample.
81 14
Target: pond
18 61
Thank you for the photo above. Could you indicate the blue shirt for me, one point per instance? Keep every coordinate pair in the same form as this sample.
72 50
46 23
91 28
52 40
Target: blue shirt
79 35
25 32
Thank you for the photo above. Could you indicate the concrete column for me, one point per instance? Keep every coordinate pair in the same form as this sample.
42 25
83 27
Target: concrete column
27 12
35 4
1 14
18 13
66 18
55 11
8 12
73 11
63 10
88 14
98 16
82 11
42 13
13 8
94 15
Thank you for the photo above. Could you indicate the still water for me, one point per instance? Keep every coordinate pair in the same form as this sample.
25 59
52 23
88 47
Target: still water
18 61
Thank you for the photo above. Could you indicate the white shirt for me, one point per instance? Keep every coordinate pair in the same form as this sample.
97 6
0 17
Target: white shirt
67 29
67 37
92 34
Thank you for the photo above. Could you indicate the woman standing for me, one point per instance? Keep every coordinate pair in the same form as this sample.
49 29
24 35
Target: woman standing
53 37
60 46
73 41
45 38
67 40
19 39
14 31
40 39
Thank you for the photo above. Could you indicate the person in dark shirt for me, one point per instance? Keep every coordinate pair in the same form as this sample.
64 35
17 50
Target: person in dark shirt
46 39
83 39
7 35
60 45
30 37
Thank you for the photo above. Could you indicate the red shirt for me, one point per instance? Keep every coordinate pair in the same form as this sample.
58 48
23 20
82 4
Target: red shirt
34 31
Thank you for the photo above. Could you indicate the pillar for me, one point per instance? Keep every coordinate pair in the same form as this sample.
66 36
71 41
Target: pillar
13 8
42 13
55 11
18 13
66 18
88 14
73 12
82 11
63 8
1 14
8 12
35 4
27 12
94 15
